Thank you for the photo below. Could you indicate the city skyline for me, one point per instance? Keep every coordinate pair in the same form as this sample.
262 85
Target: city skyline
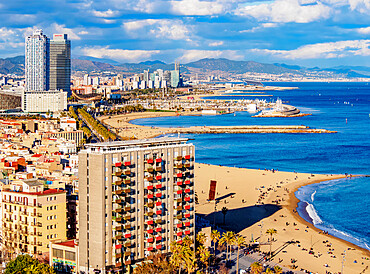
309 33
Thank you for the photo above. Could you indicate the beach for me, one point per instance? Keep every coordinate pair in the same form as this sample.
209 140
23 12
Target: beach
250 196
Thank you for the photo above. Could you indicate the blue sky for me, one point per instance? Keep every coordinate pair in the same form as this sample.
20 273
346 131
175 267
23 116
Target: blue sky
305 32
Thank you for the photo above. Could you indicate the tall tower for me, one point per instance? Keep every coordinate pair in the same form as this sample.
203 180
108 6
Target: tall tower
37 62
60 63
136 197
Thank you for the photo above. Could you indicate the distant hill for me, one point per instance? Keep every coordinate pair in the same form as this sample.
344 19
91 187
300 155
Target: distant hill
239 67
210 65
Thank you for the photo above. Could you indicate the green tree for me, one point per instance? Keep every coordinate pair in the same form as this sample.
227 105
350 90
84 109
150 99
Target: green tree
240 242
278 269
271 232
256 268
215 236
25 264
228 239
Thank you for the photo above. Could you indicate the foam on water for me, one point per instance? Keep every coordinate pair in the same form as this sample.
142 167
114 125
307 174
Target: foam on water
313 214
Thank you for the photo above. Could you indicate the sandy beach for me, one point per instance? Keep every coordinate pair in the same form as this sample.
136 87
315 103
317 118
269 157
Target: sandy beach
250 196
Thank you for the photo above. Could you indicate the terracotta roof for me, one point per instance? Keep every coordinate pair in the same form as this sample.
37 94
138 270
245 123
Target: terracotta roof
70 243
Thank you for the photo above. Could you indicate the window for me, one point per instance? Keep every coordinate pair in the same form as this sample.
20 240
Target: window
69 255
58 253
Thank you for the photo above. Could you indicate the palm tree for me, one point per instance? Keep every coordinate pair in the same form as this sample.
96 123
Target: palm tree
203 254
278 269
271 231
256 268
224 211
201 238
228 239
215 236
176 257
239 241
269 271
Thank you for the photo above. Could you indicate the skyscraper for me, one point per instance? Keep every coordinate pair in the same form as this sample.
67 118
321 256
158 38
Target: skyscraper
136 197
37 62
60 63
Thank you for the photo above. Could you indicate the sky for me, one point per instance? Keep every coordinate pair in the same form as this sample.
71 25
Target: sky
323 33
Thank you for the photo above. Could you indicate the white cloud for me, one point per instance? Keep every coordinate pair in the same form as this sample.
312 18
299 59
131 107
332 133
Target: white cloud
194 55
196 7
216 43
118 54
108 13
262 26
322 50
286 11
159 28
83 32
62 29
364 30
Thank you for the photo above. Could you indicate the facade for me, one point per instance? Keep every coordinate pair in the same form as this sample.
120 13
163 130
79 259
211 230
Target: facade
60 63
32 217
135 198
64 256
37 62
44 101
75 135
9 100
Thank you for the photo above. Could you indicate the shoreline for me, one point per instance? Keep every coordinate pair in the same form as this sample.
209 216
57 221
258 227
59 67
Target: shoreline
259 213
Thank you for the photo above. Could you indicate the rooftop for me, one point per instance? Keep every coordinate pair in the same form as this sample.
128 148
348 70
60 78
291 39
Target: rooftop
71 243
119 145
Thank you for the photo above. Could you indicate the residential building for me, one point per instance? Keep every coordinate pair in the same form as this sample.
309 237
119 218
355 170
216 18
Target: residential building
32 217
60 63
37 62
44 101
9 100
135 198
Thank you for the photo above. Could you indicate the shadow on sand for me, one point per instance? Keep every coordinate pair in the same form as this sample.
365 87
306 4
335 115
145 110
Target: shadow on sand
241 218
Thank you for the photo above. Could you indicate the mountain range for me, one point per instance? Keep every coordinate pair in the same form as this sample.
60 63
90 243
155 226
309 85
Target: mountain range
207 65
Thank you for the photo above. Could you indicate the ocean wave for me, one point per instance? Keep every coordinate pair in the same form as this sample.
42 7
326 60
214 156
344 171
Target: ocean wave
350 238
313 195
313 214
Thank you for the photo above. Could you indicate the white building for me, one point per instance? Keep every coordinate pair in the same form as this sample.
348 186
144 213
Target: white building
37 61
44 101
68 124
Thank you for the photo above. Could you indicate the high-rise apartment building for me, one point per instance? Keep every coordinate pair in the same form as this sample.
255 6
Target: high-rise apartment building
37 62
60 63
44 101
32 217
135 198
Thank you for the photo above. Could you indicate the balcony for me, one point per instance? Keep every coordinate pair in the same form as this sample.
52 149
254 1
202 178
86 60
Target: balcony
118 237
158 229
179 192
158 203
158 195
179 225
128 208
150 161
187 157
118 228
119 201
39 243
179 200
128 262
179 166
150 187
150 248
187 165
179 216
158 160
187 224
127 244
158 186
158 212
150 169
150 196
118 183
187 215
187 232
158 177
149 213
127 172
128 226
127 217
150 231
187 207
158 238
119 210
119 219
150 205
127 253
159 221
179 175
187 199
187 182
119 164
36 224
158 169
149 178
127 163
178 208
24 212
127 190
118 173
179 233
128 235
150 240
150 222
127 181
118 192
187 190
178 158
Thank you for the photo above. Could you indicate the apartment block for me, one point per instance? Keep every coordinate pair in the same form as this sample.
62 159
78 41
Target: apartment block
135 198
32 217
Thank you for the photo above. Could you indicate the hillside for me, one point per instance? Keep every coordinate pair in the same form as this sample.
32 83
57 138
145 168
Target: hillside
210 65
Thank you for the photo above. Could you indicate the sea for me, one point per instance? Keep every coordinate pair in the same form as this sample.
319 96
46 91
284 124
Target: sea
340 207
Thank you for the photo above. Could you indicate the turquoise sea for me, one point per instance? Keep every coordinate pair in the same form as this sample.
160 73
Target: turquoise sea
339 206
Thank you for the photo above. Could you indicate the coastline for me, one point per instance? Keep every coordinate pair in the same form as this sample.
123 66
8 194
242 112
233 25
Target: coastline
251 183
